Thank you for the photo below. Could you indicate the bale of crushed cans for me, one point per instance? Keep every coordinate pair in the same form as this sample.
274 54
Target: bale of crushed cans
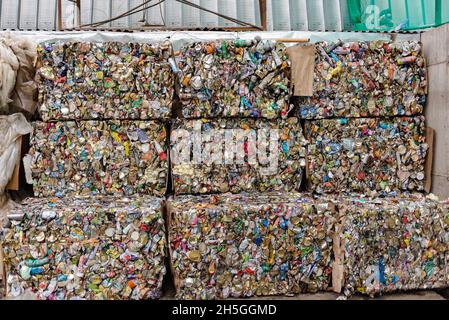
394 244
99 157
235 155
366 155
367 79
249 245
85 248
234 78
110 80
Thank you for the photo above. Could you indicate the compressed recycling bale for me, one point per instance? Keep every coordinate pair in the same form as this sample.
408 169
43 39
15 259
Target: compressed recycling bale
394 244
366 155
235 155
99 157
367 79
111 80
86 248
234 78
245 245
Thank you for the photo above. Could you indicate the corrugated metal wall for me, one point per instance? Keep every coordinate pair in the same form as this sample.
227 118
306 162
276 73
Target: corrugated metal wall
298 15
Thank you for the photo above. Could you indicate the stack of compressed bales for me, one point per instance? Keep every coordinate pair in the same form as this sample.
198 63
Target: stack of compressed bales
104 136
241 245
236 136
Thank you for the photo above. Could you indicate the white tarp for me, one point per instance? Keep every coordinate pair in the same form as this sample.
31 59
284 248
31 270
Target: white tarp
179 38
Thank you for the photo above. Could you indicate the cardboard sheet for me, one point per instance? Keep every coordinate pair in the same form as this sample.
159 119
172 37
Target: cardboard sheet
338 277
169 217
14 182
303 64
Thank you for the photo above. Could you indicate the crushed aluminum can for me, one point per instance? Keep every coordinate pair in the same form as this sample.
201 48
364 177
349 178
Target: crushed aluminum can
367 79
249 245
90 248
394 243
99 157
235 155
110 80
366 155
234 78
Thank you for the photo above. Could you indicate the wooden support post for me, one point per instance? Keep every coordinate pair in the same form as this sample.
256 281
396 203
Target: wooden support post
59 15
263 14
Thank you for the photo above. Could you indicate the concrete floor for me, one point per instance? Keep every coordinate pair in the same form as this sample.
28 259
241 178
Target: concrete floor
424 295
421 295
169 294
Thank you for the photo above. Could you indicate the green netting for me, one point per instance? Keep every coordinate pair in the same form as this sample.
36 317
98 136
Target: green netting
389 15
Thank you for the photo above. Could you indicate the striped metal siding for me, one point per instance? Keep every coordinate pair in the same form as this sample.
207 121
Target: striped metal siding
301 15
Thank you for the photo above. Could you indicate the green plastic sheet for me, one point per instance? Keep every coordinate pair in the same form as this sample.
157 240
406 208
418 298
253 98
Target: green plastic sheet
396 15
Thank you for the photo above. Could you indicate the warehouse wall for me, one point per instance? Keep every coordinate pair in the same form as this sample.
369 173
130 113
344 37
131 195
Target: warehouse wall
436 49
282 15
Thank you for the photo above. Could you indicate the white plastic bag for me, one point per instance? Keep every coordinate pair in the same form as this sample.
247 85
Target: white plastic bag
11 128
9 65
24 91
